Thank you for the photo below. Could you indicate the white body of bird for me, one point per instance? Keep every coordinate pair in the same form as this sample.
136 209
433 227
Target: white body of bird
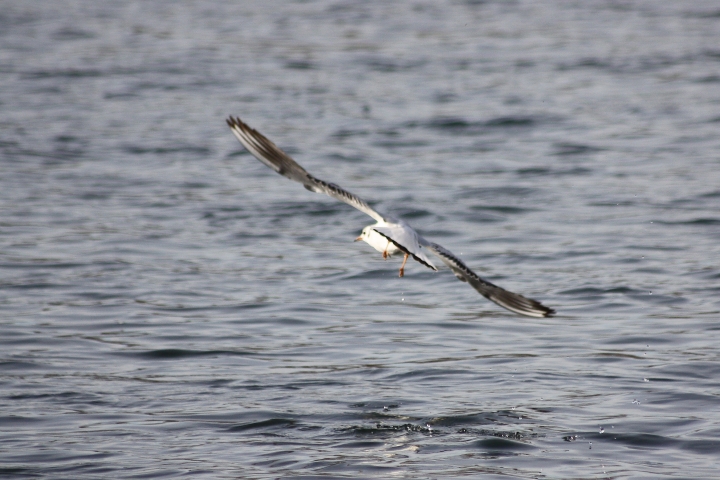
390 237
377 241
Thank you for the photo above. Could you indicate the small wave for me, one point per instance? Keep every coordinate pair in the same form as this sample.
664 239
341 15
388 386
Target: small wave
69 34
504 209
143 150
459 125
494 192
300 65
390 65
381 428
502 446
563 149
695 221
347 133
264 424
63 73
177 353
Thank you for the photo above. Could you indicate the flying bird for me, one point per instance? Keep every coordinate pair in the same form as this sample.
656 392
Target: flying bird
389 236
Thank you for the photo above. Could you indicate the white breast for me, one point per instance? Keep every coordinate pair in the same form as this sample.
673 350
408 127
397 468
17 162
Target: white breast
380 243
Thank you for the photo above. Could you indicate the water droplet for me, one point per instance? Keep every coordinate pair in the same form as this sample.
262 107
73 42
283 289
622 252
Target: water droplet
645 380
590 447
635 401
650 293
602 430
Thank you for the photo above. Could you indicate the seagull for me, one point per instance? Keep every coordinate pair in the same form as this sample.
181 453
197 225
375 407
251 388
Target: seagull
389 236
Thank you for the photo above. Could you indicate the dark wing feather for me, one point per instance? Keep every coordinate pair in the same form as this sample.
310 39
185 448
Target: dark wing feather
269 154
509 300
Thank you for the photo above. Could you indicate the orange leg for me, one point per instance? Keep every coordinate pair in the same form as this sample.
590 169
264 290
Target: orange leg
402 267
385 254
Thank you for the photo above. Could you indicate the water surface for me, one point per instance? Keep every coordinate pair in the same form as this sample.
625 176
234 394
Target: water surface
171 307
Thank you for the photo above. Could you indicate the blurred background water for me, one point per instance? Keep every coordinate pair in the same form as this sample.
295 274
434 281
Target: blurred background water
169 306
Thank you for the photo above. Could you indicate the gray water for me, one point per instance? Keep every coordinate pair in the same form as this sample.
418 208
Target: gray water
171 307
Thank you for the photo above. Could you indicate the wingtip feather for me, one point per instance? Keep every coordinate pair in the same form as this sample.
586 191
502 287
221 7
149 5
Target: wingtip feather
506 299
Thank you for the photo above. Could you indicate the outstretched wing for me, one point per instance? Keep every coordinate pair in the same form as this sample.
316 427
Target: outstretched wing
269 154
512 301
